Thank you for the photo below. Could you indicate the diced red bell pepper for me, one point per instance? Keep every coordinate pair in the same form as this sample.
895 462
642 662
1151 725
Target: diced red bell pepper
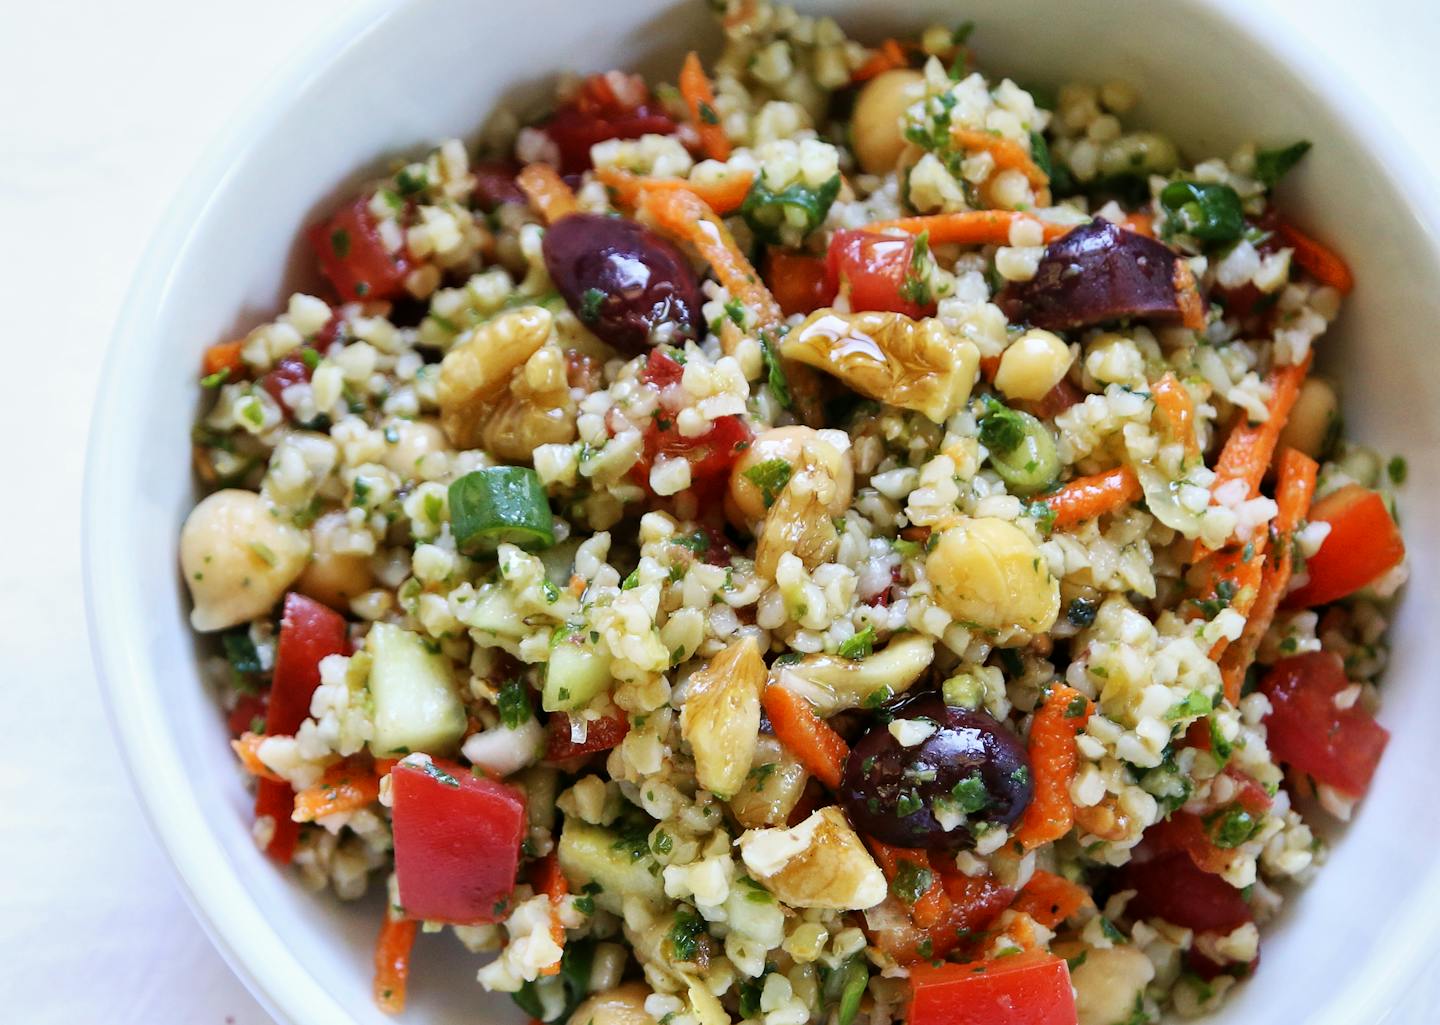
1185 832
661 369
457 842
876 268
800 282
609 106
308 632
1363 543
354 257
710 455
1171 886
1029 988
1339 747
243 716
600 735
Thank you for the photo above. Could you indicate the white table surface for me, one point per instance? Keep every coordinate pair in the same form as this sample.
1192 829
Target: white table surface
104 106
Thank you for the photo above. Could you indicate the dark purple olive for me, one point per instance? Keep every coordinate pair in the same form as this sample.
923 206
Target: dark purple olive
969 766
626 284
1093 274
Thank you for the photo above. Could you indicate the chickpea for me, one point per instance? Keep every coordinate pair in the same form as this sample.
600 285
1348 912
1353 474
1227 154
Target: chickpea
334 578
798 447
875 128
416 440
1032 365
623 1005
987 571
1107 982
238 558
1314 414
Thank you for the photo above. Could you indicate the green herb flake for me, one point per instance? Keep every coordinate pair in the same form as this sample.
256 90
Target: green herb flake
513 702
775 378
770 477
1196 703
970 794
340 243
684 935
911 882
216 379
1231 827
1397 470
1108 930
908 804
590 303
859 645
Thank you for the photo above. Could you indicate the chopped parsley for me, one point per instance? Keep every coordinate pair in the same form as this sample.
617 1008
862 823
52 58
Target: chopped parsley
775 377
1232 827
915 288
513 701
859 645
911 881
1397 469
908 804
970 794
340 242
684 935
1196 703
770 477
590 303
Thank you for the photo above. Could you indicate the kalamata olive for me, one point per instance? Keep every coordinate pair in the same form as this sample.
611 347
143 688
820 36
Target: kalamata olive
1096 273
625 283
968 770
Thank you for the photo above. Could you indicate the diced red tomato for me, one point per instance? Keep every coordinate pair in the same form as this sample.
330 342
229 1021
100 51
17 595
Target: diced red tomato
1185 832
495 184
800 282
242 717
457 842
601 735
661 369
1171 886
1339 747
308 632
1030 988
1249 795
354 257
292 369
608 106
710 455
1363 543
875 268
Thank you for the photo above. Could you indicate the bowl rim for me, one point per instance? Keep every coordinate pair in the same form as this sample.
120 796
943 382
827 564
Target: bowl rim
210 884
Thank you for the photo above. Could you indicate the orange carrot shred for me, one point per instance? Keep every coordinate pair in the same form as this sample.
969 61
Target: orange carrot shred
225 356
888 56
247 749
1085 498
1321 262
805 735
685 217
1179 409
548 879
1053 760
724 197
1294 489
1140 222
547 191
1187 294
970 227
346 786
700 98
1008 154
1050 899
392 963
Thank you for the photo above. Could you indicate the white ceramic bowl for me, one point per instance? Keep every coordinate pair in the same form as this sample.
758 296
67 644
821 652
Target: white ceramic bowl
395 80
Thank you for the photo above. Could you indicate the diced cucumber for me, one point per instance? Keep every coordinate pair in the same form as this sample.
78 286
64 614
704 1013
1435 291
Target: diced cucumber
593 854
416 707
576 672
495 613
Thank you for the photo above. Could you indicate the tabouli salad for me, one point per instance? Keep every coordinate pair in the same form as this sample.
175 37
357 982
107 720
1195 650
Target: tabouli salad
844 538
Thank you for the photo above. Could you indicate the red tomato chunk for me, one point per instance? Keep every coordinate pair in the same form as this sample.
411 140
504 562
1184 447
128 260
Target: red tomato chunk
1029 988
600 735
355 258
457 842
1363 543
879 270
1339 747
609 106
1171 886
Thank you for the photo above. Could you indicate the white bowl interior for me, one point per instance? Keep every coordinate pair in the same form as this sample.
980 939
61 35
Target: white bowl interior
394 82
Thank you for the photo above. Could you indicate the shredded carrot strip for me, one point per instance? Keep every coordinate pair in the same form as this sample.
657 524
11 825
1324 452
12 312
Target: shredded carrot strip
1050 899
700 98
686 217
1052 765
1323 263
548 879
1294 489
1085 498
1179 409
723 197
1187 294
805 735
547 191
1250 447
1229 578
346 786
888 56
225 356
1008 154
970 227
392 962
247 749
1141 223
931 907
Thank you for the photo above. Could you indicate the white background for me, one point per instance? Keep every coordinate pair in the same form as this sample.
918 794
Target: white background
104 106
